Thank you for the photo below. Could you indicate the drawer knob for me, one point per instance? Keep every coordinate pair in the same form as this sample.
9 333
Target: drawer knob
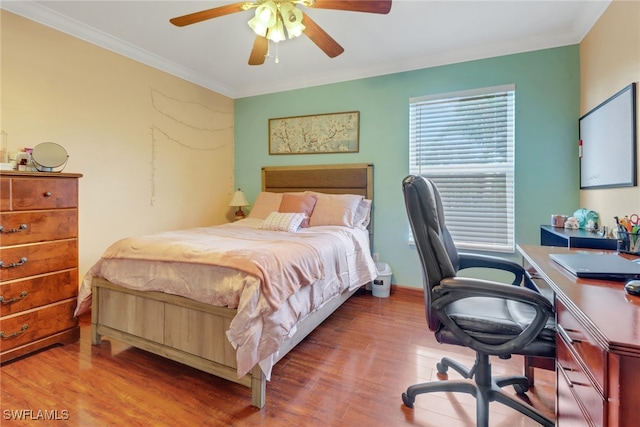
3 335
13 230
14 264
47 194
22 295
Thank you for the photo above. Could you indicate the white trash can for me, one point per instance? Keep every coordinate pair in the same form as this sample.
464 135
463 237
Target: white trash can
381 286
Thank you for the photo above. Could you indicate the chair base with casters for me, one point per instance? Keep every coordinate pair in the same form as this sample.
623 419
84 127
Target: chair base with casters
485 389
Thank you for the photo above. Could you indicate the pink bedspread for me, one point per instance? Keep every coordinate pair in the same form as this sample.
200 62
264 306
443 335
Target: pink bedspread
282 261
273 278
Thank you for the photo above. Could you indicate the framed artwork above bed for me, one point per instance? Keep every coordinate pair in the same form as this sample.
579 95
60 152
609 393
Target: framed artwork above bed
315 134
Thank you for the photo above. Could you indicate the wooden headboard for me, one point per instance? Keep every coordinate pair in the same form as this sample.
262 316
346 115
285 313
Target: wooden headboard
334 179
355 178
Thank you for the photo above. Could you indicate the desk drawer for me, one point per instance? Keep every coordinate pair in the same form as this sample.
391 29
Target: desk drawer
582 343
37 226
36 324
25 294
573 381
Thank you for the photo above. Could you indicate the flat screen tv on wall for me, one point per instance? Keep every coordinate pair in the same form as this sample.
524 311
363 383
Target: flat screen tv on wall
608 136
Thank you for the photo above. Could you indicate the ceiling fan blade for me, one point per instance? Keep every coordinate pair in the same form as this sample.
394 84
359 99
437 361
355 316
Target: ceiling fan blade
259 51
321 38
203 15
369 6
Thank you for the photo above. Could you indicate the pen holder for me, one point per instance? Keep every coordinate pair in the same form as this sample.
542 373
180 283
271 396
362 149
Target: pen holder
629 243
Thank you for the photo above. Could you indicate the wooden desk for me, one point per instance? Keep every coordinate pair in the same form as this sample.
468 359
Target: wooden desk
598 345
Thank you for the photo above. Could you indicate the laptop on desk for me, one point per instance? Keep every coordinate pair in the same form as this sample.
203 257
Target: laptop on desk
598 266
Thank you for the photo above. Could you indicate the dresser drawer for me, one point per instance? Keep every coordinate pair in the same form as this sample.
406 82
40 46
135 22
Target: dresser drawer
42 193
38 258
37 226
573 381
5 194
36 324
25 294
582 343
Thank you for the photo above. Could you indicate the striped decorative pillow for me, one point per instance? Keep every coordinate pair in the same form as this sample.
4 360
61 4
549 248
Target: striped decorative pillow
283 221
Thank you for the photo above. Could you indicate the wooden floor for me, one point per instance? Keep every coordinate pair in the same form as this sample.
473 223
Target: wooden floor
350 371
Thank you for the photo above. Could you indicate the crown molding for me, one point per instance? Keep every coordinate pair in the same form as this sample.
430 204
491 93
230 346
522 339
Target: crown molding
45 16
57 21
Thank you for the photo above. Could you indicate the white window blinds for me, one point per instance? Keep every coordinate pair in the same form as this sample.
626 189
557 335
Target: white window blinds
464 142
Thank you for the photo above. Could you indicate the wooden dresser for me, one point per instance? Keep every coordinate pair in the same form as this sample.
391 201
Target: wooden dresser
598 345
39 261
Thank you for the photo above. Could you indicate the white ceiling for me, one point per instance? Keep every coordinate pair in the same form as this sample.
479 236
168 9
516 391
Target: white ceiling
415 34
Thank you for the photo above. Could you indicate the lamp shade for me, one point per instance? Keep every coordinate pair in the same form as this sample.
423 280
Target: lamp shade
265 18
292 18
239 199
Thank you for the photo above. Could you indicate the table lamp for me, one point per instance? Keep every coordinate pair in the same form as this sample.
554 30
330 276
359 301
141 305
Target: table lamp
239 200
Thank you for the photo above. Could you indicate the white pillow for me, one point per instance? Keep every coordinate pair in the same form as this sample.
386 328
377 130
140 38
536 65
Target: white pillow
335 209
283 221
265 203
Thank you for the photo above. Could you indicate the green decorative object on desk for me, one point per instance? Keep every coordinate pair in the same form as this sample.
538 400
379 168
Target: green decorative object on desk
587 219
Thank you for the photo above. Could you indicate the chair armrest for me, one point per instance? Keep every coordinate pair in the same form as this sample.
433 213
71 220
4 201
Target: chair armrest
456 288
469 260
472 260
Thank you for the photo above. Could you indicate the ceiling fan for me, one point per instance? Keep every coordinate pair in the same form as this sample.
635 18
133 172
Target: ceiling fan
277 20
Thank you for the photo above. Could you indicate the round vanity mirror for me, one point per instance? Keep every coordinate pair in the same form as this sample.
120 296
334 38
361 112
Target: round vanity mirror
47 156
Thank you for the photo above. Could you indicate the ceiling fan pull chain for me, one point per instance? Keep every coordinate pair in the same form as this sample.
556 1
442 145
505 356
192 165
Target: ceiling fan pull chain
277 59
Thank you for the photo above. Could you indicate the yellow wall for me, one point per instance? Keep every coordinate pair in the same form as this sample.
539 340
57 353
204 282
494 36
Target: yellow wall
610 61
156 151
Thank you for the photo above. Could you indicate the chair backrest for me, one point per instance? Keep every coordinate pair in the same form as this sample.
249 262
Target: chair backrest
445 236
436 250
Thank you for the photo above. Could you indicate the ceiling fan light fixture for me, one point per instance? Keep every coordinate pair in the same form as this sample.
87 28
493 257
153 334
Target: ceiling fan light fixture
258 27
267 13
292 18
265 17
272 17
276 32
295 30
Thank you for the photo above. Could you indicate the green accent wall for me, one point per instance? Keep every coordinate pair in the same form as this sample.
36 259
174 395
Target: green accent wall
547 110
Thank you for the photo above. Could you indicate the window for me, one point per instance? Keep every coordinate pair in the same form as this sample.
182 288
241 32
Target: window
464 142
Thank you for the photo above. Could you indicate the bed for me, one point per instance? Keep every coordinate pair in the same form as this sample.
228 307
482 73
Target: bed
242 337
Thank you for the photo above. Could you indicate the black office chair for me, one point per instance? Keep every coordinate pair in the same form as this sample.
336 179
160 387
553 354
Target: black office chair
494 319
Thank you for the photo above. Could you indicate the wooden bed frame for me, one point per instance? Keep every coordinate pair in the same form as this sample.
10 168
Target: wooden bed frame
194 333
